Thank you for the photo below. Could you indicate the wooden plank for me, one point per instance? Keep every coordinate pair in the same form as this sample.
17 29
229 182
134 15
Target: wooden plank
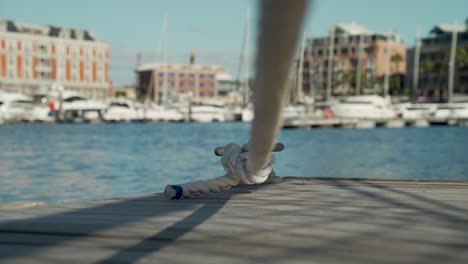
301 220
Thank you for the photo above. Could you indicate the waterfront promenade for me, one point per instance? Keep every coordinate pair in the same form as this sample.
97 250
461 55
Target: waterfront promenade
300 220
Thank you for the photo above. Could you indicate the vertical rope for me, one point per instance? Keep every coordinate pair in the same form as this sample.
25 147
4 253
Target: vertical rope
279 30
280 25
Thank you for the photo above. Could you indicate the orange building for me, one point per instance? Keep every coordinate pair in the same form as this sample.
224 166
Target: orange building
351 41
34 57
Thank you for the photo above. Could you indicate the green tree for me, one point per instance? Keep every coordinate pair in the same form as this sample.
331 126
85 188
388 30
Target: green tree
426 66
462 57
396 59
436 69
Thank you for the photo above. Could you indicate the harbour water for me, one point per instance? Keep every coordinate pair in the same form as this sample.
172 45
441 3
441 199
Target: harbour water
50 163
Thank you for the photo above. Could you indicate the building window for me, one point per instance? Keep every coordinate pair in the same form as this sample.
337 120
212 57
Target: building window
43 48
211 94
192 75
27 47
212 76
181 75
202 76
202 93
212 85
11 45
202 85
171 74
161 74
181 84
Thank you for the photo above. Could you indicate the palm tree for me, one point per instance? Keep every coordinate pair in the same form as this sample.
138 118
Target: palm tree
340 79
436 69
396 59
462 57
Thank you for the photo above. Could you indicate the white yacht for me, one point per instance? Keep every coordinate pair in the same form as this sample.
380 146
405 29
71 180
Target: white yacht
364 107
121 109
205 113
451 111
247 113
161 113
14 107
47 104
42 108
291 111
410 111
74 101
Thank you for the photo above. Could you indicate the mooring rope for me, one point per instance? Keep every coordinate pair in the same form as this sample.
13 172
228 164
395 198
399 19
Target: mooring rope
280 27
233 160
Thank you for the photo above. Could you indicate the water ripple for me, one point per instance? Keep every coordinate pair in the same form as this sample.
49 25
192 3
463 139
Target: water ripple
79 162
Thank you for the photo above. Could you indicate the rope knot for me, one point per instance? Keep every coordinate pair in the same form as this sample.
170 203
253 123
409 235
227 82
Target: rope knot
234 161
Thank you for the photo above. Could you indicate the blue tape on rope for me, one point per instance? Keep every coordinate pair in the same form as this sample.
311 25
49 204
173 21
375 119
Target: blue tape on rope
178 190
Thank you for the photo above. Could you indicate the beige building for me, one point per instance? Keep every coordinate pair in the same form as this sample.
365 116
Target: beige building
35 57
349 42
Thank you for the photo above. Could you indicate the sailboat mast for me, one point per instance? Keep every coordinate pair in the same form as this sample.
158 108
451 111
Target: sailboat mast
299 94
246 61
165 60
153 81
331 48
60 61
417 52
312 74
359 65
387 65
451 76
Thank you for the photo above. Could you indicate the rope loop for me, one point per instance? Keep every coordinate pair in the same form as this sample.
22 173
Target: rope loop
234 162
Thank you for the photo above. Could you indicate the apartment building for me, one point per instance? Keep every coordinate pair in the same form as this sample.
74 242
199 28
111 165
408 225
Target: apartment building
434 63
347 43
37 58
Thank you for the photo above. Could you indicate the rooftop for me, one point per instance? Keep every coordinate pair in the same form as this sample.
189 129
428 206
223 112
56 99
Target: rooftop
448 28
178 67
46 30
351 29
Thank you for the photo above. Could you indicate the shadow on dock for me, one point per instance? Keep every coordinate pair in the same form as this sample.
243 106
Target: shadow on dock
303 219
67 231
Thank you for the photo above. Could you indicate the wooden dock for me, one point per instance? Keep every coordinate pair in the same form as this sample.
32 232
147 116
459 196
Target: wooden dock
301 220
369 123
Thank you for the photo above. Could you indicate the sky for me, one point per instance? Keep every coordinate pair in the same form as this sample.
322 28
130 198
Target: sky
215 28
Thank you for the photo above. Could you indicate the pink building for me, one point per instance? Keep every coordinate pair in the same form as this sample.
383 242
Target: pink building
199 80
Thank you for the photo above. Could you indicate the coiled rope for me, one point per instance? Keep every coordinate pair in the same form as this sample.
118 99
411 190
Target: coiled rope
280 26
